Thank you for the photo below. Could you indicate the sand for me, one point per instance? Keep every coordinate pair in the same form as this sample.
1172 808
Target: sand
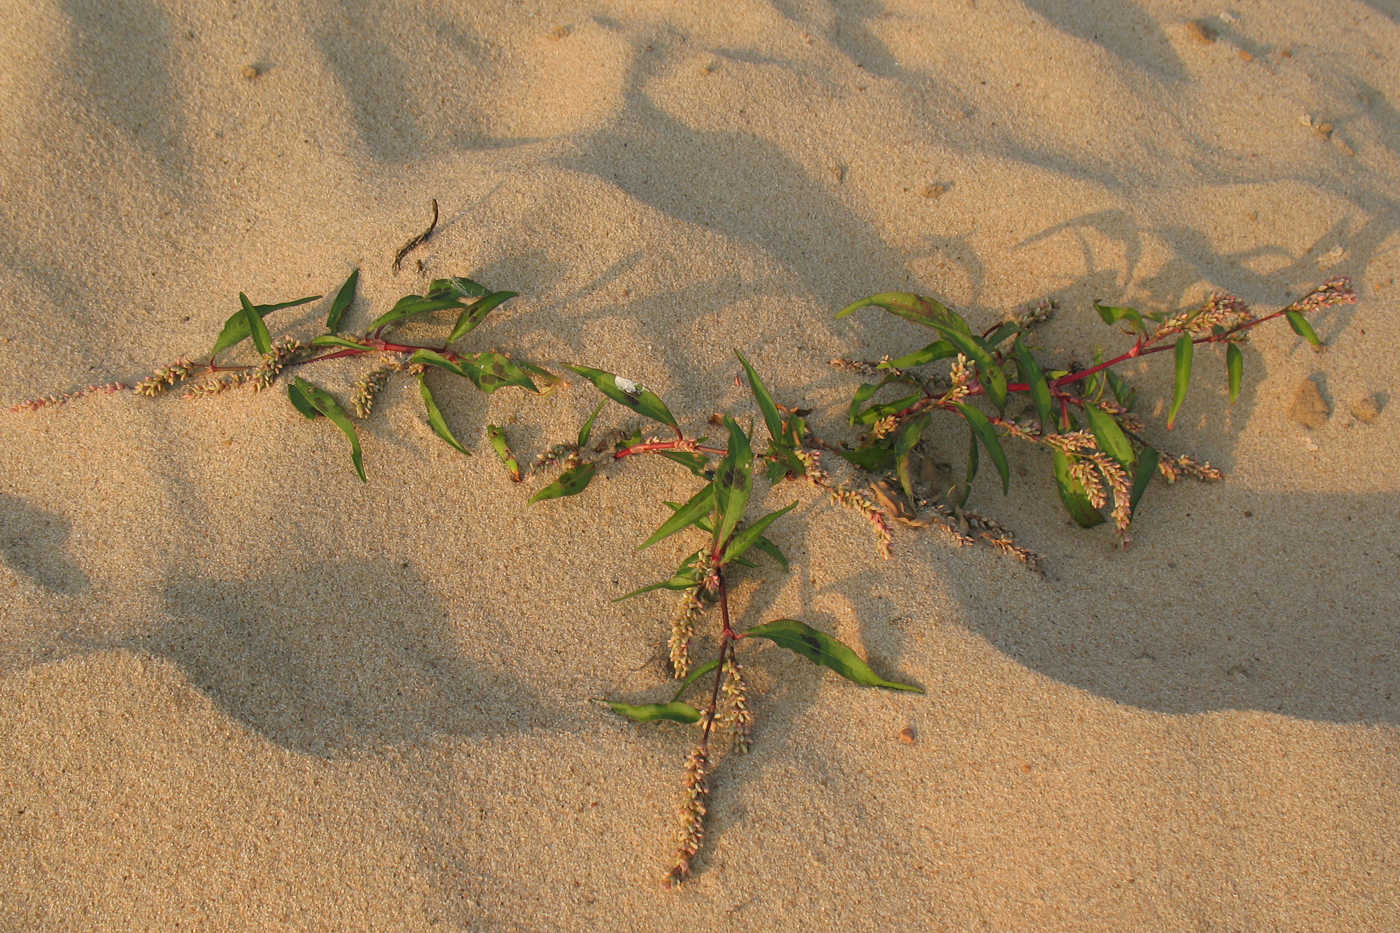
241 690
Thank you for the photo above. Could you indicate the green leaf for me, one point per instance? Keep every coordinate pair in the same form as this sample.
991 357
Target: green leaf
342 301
570 483
938 350
326 404
875 412
457 287
301 403
411 305
706 668
1302 328
497 436
749 536
585 432
911 307
863 394
435 419
434 358
991 376
1146 469
689 514
334 340
1234 365
683 579
629 394
1110 436
771 418
692 461
1073 494
821 648
236 327
772 550
1031 375
675 711
1112 314
490 371
872 457
476 312
904 445
733 481
1003 330
960 493
1122 392
988 436
261 338
1185 349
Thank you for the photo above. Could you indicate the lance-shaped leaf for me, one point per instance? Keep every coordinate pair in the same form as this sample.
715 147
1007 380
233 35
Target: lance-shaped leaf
1110 436
434 358
335 340
938 350
683 579
261 338
750 535
904 445
570 483
326 404
1185 349
497 435
1302 328
821 648
629 394
236 327
1122 392
771 418
863 394
1112 314
342 301
991 376
706 668
301 403
411 305
490 371
1146 469
476 312
693 512
435 419
691 460
585 432
458 287
1035 379
675 711
1234 365
988 436
733 481
1002 332
874 457
1073 494
911 307
875 412
959 494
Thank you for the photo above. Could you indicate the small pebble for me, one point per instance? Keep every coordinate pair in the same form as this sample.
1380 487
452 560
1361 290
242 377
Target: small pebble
250 72
1366 409
1309 408
906 735
1200 32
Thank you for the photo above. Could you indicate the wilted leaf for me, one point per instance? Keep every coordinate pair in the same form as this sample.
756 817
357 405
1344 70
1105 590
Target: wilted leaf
821 648
497 436
570 483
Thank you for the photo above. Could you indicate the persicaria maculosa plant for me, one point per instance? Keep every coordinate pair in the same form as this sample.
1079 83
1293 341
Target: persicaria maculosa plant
1099 455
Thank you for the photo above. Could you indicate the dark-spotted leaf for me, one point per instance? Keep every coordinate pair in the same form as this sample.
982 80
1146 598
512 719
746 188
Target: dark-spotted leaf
988 436
1073 494
771 418
694 511
335 340
1302 328
1110 436
585 432
1031 375
904 445
411 305
570 483
1185 349
821 648
342 301
629 394
911 307
733 481
497 436
1234 365
1146 469
435 419
326 404
476 312
675 711
236 327
750 535
261 338
490 371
